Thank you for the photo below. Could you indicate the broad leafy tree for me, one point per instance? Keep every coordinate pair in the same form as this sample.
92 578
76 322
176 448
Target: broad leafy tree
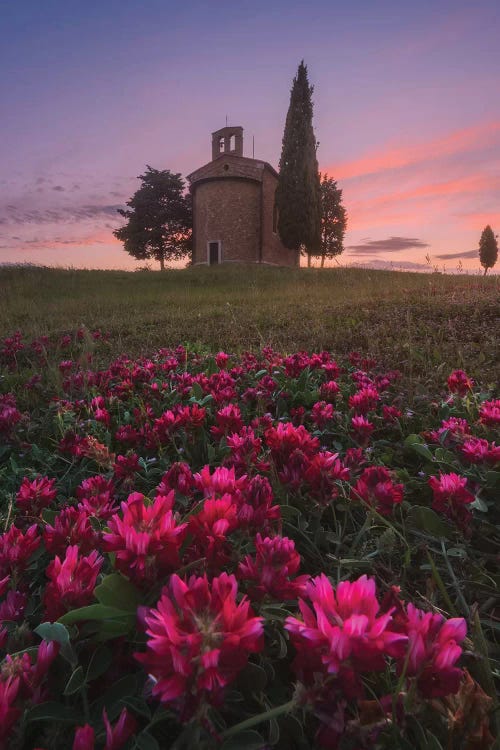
159 218
333 219
488 249
298 197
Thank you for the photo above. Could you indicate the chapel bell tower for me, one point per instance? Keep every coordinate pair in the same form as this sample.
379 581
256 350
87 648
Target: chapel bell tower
228 140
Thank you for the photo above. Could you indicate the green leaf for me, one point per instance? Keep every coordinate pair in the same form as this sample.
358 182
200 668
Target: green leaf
303 378
492 478
53 711
197 392
248 740
422 450
479 504
100 662
443 456
55 631
413 439
146 741
75 682
120 690
138 706
211 367
117 591
425 519
254 678
96 612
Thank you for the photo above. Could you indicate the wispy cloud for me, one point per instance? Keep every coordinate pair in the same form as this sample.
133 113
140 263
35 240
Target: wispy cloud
389 245
60 215
452 256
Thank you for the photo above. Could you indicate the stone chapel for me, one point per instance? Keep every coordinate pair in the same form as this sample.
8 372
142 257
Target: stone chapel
234 212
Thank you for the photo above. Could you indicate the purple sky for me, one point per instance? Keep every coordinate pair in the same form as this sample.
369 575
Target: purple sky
406 100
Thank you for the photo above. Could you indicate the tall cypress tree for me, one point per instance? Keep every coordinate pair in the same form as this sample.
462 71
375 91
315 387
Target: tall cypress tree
298 195
488 249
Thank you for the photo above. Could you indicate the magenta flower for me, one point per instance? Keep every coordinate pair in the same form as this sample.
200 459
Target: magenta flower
84 738
210 527
124 728
223 481
324 472
451 497
321 413
9 414
228 420
146 540
434 649
31 674
179 478
459 382
35 495
72 582
489 413
16 549
284 439
365 400
477 451
362 429
375 487
343 628
9 713
70 526
328 391
272 570
199 639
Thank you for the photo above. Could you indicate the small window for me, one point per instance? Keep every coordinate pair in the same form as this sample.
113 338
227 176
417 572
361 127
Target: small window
275 218
232 143
221 145
226 167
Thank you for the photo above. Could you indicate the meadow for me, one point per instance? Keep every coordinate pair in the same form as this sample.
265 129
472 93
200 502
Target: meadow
247 508
427 323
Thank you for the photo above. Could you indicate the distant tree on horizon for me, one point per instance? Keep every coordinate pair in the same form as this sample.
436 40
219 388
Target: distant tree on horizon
333 219
298 195
488 249
159 222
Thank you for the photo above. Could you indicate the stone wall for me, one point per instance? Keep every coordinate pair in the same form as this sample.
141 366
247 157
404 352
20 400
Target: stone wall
227 210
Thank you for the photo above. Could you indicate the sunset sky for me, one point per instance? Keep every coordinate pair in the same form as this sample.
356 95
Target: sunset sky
406 110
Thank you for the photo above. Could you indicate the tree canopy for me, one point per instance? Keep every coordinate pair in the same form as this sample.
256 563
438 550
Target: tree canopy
488 249
333 219
298 196
159 219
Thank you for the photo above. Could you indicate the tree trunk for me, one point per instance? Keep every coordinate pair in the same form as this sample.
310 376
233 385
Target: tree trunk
485 271
323 260
309 260
162 263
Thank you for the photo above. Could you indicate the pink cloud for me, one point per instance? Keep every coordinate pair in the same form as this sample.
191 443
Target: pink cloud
396 157
479 219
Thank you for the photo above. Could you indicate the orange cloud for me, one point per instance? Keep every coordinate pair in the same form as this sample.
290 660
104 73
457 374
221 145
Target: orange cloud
396 157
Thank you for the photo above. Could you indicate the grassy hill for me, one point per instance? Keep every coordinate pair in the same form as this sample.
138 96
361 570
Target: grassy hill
424 324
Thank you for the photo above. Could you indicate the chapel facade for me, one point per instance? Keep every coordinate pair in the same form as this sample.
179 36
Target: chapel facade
234 212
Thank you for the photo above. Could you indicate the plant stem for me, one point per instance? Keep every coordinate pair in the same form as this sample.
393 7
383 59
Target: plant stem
265 716
441 585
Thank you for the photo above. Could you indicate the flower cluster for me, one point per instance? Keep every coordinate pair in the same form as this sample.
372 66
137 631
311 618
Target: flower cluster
172 527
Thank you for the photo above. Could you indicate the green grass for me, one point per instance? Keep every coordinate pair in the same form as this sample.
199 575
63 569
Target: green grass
424 324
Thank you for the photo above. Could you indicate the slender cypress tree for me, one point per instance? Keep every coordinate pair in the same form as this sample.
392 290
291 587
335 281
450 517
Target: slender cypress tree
488 249
298 195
